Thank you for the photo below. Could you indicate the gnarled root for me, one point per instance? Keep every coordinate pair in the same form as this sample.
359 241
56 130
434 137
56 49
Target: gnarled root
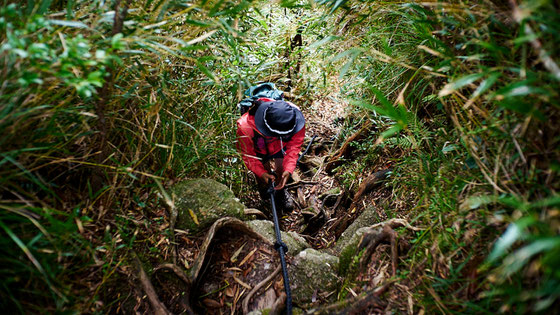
358 305
382 233
158 307
183 276
258 287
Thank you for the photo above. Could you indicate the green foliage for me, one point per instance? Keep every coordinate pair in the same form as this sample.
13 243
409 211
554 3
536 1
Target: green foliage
462 99
94 117
473 141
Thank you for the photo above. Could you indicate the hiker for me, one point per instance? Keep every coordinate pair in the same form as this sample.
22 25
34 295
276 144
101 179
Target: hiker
271 130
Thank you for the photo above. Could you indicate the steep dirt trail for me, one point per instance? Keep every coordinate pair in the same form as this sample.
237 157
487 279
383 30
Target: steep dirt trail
325 206
317 194
322 202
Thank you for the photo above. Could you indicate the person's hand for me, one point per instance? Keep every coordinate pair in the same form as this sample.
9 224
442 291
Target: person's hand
283 180
268 178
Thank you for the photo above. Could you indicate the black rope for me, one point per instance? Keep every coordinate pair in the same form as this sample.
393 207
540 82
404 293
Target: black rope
282 249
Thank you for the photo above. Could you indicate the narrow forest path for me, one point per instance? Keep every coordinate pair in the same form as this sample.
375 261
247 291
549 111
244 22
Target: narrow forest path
316 193
324 207
234 267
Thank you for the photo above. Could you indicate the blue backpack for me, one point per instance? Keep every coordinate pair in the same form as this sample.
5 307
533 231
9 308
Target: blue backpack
255 92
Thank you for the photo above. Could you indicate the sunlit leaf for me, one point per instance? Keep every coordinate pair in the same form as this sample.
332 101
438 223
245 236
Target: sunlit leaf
514 232
520 257
75 24
459 83
206 71
323 41
486 84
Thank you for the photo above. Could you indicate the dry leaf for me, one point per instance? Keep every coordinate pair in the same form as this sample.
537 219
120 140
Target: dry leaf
211 303
243 284
229 292
194 217
237 252
248 256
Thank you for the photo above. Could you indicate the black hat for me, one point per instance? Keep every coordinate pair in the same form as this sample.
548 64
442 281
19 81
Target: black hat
278 119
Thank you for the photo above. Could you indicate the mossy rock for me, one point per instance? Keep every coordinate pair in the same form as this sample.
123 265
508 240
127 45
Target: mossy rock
349 251
312 271
367 218
294 241
200 202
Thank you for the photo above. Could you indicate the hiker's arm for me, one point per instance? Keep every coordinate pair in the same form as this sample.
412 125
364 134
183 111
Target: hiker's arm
292 151
246 147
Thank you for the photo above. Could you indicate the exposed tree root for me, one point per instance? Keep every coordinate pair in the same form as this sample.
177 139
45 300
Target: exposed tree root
395 223
334 160
183 276
382 233
158 307
257 288
317 220
358 305
258 213
177 270
279 305
371 239
367 186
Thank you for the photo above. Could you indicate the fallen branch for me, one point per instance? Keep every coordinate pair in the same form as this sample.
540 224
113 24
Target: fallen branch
300 183
259 286
158 307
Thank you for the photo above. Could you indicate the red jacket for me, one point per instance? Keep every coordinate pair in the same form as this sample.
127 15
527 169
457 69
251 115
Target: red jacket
246 131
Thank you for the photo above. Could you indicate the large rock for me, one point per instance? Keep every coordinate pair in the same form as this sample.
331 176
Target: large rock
313 273
367 218
294 241
200 202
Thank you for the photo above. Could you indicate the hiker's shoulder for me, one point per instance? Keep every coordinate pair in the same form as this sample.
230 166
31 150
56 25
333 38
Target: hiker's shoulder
246 122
